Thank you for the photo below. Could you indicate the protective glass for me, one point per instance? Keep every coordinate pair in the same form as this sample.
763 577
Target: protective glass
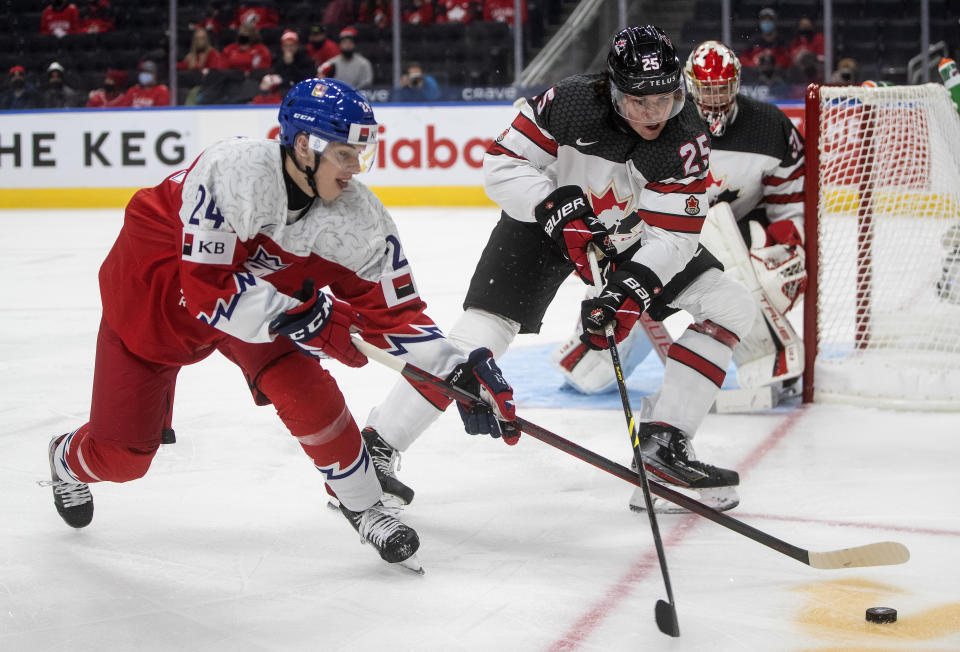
647 109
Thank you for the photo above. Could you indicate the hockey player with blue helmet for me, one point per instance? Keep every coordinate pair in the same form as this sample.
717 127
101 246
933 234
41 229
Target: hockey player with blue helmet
232 255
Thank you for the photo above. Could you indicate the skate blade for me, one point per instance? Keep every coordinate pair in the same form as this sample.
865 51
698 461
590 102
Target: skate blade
412 564
721 499
391 504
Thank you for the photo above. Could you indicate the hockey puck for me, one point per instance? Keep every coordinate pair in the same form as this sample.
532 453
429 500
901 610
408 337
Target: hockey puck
881 615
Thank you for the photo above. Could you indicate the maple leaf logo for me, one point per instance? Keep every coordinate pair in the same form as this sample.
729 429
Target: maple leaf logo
608 200
693 206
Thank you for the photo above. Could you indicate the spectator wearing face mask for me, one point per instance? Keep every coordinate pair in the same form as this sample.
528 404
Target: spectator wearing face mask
21 94
847 72
248 52
59 18
114 83
806 40
767 41
57 94
349 66
319 47
147 91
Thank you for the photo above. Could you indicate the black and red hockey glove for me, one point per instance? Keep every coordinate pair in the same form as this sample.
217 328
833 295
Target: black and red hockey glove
481 376
567 217
321 326
628 293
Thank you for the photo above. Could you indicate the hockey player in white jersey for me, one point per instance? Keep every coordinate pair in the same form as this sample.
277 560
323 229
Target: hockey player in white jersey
233 255
616 161
757 173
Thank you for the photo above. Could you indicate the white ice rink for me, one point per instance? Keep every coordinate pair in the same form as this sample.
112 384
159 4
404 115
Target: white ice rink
227 545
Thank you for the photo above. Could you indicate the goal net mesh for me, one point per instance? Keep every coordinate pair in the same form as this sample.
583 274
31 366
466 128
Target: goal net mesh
888 225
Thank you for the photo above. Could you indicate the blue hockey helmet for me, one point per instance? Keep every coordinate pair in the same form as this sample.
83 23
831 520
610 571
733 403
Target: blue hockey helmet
328 111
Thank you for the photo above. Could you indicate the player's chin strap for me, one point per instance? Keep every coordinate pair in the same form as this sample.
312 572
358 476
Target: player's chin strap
306 169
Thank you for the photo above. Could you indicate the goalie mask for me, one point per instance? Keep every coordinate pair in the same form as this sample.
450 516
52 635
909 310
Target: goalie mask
712 72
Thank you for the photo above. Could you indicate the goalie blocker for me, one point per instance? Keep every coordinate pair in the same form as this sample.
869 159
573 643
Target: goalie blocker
770 354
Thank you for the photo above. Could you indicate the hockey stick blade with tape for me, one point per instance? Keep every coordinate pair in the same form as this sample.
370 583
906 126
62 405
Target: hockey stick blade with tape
884 553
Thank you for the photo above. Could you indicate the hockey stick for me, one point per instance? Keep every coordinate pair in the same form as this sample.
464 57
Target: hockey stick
666 612
885 553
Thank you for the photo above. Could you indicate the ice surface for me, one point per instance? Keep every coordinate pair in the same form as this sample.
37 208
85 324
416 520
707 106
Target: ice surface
226 545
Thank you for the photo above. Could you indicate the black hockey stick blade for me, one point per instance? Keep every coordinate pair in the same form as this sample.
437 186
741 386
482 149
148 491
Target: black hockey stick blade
667 618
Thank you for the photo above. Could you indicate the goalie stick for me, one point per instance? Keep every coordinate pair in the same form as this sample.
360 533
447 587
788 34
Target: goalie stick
884 553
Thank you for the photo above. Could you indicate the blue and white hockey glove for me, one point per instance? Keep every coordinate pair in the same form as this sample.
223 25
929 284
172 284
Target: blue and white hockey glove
321 326
481 376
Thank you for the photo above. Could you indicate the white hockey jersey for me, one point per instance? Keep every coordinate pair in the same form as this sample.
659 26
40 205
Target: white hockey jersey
209 253
649 192
758 164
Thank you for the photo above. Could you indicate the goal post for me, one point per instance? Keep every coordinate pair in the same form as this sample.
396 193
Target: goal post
882 236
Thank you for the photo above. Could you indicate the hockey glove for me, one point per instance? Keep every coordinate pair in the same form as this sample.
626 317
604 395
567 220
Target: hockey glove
481 376
321 326
626 295
566 217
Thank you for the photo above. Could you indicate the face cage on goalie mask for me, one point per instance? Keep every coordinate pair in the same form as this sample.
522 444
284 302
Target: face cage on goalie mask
716 101
647 109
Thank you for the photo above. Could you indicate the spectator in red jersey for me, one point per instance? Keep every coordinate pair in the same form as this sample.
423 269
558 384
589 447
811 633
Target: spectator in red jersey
262 15
146 92
59 18
202 55
319 47
272 89
501 11
96 17
57 94
420 13
806 40
767 41
457 11
338 14
22 94
375 12
114 83
249 52
294 65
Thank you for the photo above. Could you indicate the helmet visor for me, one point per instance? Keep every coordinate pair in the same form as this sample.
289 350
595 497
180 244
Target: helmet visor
647 109
350 157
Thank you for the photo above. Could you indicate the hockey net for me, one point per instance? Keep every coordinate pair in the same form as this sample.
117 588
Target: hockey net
882 310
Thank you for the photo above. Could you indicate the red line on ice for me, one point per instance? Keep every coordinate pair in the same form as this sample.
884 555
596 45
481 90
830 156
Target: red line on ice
648 563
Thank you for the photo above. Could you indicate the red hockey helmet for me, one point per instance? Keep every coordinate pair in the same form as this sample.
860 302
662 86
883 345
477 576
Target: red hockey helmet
713 78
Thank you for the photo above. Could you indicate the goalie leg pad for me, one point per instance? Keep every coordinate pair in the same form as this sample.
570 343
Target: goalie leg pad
590 372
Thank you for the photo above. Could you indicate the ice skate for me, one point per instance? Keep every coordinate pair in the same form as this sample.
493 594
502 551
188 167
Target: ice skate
669 458
73 500
386 462
396 542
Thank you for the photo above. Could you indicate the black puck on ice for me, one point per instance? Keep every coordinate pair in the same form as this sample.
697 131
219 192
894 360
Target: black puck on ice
881 615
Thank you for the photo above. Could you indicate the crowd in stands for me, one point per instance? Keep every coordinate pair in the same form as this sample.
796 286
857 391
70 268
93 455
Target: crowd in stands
98 54
232 54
